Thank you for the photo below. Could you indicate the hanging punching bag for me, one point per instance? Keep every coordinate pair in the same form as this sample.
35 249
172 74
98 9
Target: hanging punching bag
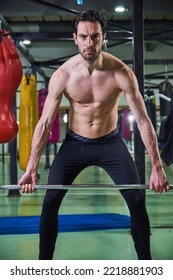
151 107
10 77
28 117
125 124
42 94
55 130
165 106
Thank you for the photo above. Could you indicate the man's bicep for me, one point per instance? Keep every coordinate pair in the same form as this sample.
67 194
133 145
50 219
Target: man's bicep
58 83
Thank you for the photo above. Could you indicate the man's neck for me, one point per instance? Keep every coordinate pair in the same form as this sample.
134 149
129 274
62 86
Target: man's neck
94 65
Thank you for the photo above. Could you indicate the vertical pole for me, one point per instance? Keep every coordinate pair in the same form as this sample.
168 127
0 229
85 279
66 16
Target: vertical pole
13 161
3 154
0 31
47 148
47 151
138 68
55 149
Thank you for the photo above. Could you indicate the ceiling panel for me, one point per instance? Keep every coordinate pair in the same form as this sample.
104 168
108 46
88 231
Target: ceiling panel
48 25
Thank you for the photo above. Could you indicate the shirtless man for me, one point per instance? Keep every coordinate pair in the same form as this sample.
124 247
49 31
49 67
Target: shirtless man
93 81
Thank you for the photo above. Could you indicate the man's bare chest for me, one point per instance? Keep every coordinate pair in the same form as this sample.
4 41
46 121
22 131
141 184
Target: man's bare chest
91 88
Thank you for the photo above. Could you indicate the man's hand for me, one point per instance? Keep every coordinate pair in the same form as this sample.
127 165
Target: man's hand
158 181
27 182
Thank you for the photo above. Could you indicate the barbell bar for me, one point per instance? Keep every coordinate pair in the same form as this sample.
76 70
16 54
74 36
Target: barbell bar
81 186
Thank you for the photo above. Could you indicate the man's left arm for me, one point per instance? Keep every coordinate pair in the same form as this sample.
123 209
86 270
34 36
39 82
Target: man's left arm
158 179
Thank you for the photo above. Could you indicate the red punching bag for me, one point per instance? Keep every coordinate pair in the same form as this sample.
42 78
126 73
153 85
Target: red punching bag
10 77
55 130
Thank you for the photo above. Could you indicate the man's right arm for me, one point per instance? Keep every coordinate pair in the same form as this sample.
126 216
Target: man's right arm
41 134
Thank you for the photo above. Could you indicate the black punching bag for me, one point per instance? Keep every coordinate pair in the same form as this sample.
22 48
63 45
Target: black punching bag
151 107
165 106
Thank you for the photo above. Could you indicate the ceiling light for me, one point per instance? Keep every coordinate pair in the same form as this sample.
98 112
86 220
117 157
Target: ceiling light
26 42
120 9
80 2
131 117
65 118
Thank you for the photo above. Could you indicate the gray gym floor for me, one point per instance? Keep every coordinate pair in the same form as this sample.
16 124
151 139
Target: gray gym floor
112 244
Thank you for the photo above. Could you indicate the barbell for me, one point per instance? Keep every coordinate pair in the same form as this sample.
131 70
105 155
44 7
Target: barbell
81 186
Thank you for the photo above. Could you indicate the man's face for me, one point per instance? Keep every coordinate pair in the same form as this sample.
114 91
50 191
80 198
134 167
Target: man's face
89 39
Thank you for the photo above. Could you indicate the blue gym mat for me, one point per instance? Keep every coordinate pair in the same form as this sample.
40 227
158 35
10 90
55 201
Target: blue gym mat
67 223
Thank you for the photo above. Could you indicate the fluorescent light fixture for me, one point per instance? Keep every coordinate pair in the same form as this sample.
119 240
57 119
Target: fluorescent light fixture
80 2
26 42
120 9
131 117
65 118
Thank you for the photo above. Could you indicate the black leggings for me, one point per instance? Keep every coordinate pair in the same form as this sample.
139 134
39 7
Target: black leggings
110 153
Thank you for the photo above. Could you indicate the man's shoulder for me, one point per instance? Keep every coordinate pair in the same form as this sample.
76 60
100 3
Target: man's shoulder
113 62
71 62
67 66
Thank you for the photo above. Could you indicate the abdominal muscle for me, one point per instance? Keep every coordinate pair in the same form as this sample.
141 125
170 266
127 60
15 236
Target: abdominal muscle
92 120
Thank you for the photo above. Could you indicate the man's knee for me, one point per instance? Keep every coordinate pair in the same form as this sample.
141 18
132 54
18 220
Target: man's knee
135 199
53 199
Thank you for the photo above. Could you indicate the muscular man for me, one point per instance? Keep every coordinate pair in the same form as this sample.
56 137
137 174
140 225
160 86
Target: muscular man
93 81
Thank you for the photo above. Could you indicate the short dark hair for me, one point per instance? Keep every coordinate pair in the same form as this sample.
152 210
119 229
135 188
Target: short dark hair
92 16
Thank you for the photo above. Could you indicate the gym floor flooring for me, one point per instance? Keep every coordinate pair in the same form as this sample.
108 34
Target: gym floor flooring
95 243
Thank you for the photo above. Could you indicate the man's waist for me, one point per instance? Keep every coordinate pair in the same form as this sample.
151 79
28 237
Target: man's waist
84 139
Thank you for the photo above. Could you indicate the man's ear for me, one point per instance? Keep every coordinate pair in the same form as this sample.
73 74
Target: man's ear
75 38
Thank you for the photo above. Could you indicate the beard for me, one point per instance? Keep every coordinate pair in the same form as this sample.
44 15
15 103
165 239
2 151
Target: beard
90 54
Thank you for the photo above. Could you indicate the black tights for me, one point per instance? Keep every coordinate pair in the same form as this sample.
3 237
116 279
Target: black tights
110 153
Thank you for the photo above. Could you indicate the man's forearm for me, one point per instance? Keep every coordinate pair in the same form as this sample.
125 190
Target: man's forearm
149 139
39 140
